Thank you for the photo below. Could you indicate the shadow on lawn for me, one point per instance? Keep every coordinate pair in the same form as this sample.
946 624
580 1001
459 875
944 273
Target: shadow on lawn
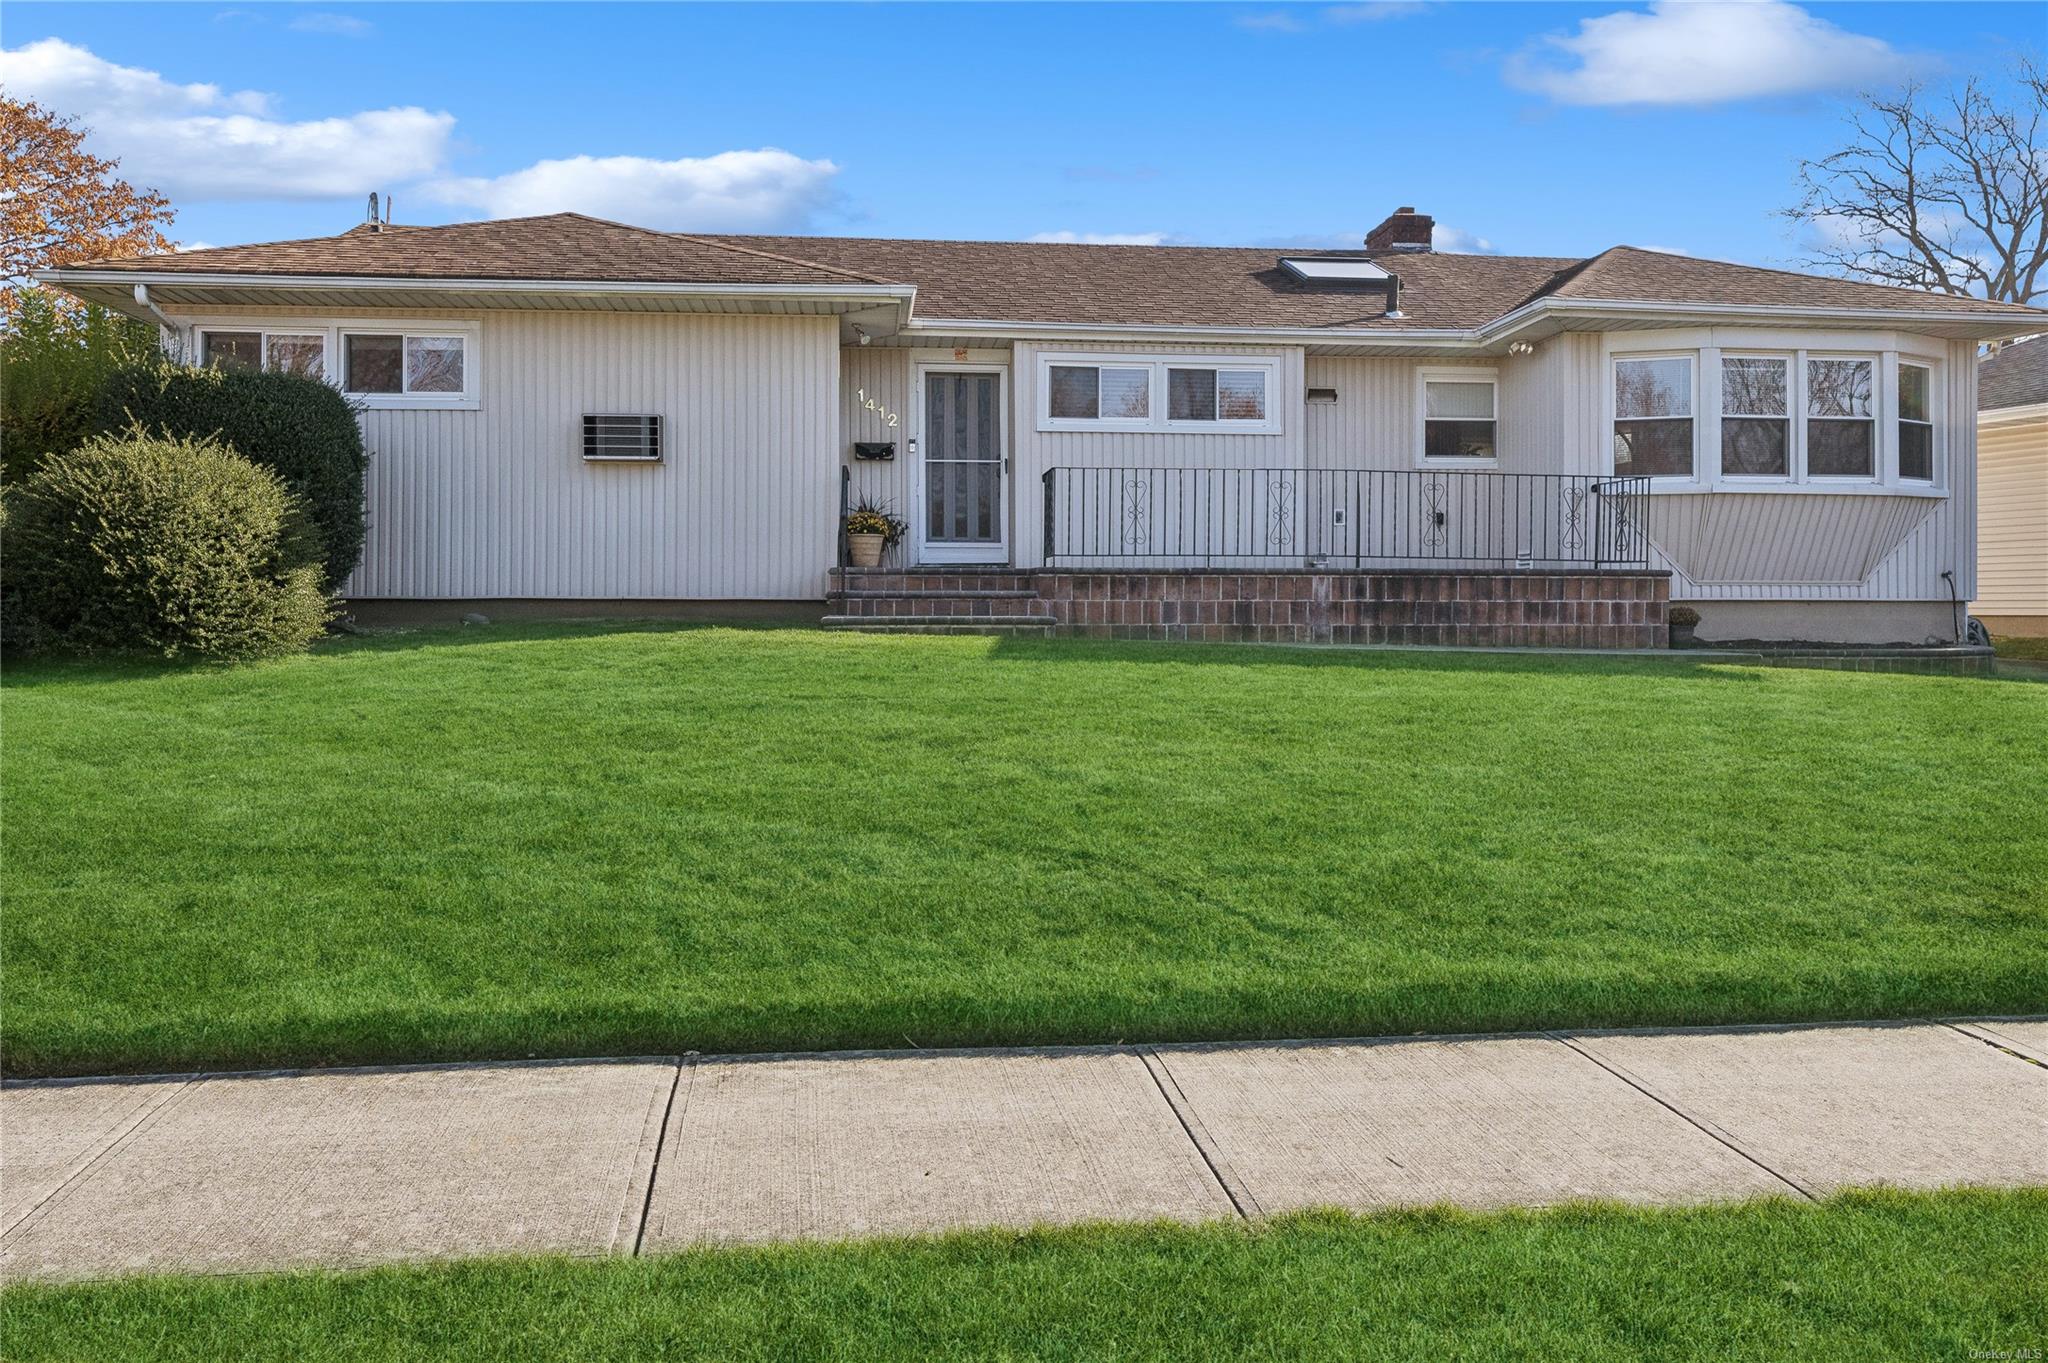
1699 666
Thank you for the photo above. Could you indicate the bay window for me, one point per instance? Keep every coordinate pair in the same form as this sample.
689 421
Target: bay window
1756 416
1653 416
1916 422
1841 418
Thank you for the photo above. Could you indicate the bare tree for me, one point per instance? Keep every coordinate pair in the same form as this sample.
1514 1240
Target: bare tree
1945 191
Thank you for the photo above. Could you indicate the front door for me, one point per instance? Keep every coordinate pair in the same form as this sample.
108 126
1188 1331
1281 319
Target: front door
962 516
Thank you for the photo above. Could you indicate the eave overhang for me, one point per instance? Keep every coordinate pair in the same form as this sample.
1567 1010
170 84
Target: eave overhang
879 306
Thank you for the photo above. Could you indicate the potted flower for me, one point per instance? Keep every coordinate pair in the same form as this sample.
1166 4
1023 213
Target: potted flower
869 530
1684 620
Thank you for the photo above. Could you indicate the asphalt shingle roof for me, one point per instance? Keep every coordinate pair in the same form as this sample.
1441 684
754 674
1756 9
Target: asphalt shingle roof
2017 376
1048 282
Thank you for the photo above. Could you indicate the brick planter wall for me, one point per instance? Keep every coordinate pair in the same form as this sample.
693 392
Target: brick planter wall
1510 609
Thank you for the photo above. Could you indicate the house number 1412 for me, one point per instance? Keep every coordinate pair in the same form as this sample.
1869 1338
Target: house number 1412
877 408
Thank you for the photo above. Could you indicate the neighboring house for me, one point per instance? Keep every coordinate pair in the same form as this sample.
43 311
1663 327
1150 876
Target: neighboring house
1406 446
2012 478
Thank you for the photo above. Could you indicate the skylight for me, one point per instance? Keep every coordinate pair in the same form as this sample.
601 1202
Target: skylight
1334 269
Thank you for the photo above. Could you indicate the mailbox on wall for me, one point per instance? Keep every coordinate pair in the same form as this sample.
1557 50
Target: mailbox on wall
874 449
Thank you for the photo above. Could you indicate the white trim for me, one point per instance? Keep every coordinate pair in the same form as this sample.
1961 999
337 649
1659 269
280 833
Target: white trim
922 551
1428 374
452 284
1159 420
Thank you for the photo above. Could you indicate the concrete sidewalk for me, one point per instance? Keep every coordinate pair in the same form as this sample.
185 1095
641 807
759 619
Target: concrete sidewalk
236 1173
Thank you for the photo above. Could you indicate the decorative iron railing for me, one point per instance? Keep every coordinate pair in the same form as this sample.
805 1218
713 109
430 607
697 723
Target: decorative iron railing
1222 517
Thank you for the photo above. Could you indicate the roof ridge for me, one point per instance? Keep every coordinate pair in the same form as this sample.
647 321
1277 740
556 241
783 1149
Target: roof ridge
727 246
1561 278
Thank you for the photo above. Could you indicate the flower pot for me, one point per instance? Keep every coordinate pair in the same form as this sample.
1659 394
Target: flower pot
865 550
1681 635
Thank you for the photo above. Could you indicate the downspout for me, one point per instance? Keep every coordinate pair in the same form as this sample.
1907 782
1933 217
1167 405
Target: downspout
163 321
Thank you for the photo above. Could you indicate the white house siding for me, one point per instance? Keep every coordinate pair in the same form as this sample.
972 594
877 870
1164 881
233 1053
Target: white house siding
1034 451
2012 569
498 502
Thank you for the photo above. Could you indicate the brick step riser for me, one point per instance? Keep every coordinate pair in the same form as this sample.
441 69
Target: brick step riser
1039 630
885 607
883 580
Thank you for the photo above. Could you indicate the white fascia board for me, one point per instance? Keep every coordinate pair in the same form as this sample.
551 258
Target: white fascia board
1032 331
1499 329
861 293
1988 325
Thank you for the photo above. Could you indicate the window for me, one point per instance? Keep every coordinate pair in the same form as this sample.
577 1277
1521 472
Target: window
1155 393
1756 416
1215 394
1458 418
1653 431
1100 393
1841 426
1916 422
612 437
403 364
280 352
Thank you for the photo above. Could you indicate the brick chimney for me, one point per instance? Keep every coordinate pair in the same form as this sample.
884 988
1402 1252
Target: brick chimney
1406 230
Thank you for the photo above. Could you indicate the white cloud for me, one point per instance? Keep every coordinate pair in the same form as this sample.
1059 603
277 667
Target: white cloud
1105 238
195 245
1456 241
199 141
1668 250
734 191
338 25
1682 52
1374 11
1274 21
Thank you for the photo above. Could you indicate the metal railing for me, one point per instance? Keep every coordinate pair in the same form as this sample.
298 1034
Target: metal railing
1223 517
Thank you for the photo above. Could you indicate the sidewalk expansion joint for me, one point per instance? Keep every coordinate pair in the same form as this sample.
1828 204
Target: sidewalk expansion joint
1701 1123
684 1065
1241 1199
1991 1037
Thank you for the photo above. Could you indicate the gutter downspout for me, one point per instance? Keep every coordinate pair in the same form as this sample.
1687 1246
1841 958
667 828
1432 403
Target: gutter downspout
165 324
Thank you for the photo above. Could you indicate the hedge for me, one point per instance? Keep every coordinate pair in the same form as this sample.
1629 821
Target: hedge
298 427
175 547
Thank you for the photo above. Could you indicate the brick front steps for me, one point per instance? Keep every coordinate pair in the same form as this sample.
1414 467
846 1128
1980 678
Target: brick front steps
1470 609
968 601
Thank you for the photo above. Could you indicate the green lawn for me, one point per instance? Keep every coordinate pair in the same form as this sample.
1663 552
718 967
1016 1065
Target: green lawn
1868 1277
588 840
2032 650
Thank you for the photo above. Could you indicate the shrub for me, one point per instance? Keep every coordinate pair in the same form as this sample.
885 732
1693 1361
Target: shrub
1683 616
298 427
171 546
53 362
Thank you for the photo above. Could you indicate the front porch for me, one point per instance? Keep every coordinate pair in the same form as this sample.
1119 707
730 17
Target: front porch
1294 555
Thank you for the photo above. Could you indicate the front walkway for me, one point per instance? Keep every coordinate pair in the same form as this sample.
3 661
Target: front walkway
235 1173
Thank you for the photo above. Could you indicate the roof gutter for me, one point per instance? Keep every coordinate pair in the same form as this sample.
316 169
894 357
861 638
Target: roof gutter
863 293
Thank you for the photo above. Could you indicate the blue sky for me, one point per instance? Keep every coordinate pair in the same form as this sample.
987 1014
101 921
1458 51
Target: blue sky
1534 128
